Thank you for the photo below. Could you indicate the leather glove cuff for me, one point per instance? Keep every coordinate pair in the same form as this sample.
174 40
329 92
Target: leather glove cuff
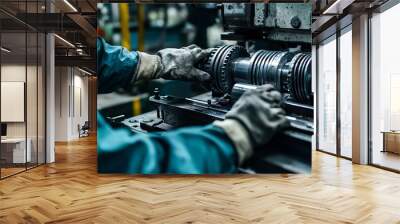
149 67
239 136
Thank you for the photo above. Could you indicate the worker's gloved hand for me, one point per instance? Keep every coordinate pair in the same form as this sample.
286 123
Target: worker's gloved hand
254 119
173 63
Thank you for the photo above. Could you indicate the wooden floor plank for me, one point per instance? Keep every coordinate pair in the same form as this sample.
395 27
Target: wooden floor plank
71 191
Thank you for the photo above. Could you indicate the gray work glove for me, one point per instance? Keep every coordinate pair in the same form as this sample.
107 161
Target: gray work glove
254 119
173 63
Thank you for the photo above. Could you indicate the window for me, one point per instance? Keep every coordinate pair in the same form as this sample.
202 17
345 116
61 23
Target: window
327 95
346 92
385 89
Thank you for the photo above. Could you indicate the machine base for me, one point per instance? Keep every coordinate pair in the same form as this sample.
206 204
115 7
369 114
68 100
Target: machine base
288 152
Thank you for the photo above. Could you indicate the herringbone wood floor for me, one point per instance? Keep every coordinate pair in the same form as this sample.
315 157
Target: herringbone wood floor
70 191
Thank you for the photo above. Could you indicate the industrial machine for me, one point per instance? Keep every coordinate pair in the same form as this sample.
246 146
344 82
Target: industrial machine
273 46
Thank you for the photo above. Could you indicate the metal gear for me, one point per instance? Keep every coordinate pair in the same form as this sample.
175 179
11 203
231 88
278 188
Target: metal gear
298 77
289 72
219 66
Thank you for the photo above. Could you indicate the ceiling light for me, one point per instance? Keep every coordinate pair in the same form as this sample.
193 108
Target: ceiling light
333 6
337 7
70 5
65 41
5 50
84 71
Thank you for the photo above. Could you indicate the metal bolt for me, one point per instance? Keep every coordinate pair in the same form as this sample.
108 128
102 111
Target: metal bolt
295 22
156 93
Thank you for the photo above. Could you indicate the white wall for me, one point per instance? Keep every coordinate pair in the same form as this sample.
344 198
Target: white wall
61 103
71 102
33 126
12 73
80 102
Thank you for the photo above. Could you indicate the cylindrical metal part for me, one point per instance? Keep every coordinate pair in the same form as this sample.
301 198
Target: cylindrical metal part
239 88
240 69
289 72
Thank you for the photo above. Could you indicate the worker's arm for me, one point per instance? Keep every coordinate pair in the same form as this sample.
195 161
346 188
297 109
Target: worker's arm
117 67
194 150
216 148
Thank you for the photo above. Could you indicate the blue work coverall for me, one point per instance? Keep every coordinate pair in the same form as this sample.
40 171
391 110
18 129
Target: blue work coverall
193 150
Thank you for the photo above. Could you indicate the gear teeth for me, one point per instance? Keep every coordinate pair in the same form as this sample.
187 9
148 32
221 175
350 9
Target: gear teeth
218 65
207 65
297 75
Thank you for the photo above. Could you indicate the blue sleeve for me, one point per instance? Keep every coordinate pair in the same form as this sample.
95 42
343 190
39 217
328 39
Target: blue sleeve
195 150
115 66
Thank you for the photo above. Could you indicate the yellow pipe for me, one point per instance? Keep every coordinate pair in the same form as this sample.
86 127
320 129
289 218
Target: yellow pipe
140 33
124 20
